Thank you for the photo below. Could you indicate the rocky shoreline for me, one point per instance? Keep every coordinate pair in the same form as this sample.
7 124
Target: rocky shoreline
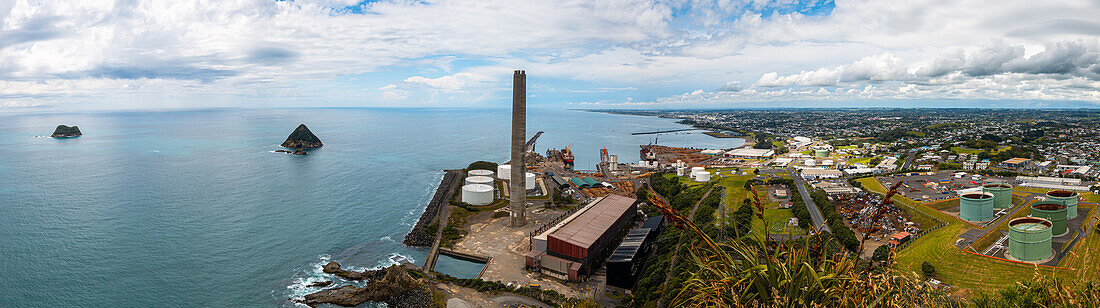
420 235
392 285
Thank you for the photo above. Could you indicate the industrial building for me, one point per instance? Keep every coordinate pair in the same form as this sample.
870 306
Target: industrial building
570 248
1029 239
1051 183
628 260
748 153
817 174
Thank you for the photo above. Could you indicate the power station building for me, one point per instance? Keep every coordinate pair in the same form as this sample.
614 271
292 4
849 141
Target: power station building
570 248
628 260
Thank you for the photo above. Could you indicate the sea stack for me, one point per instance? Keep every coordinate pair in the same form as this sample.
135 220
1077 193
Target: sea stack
63 131
302 138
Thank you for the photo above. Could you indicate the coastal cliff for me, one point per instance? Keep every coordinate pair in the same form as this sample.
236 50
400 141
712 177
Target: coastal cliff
302 138
63 131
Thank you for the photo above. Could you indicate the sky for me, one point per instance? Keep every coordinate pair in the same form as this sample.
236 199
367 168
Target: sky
190 54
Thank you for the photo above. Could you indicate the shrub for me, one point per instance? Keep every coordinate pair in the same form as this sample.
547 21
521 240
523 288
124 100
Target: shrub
927 269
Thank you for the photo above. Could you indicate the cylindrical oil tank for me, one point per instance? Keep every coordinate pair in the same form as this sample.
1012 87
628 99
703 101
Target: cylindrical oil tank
479 180
809 163
477 194
1029 239
529 184
504 172
1067 198
681 171
480 172
976 206
702 176
1054 212
1002 194
697 169
821 153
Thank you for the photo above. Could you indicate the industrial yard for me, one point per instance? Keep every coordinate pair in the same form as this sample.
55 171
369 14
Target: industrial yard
558 227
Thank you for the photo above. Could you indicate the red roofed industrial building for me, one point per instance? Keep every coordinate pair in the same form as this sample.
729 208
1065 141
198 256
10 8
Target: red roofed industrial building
572 246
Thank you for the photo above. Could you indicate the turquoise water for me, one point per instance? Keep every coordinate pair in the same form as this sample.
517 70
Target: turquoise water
194 208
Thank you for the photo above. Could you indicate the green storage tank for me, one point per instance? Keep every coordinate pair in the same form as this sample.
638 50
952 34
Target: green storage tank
1002 194
976 206
1067 198
1054 212
821 153
1029 239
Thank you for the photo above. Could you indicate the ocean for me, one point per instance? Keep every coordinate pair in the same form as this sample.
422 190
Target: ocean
193 208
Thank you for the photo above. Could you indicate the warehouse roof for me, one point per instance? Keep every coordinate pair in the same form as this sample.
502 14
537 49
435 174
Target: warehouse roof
585 229
630 246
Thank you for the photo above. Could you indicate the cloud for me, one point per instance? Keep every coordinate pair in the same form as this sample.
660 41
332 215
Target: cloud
424 52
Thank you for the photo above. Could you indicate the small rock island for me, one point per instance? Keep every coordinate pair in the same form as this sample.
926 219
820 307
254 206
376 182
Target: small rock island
302 138
64 131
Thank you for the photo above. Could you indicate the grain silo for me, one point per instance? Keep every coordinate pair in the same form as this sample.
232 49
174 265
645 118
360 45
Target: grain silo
480 172
1002 194
976 206
477 194
529 182
1029 239
479 180
1067 198
1054 212
504 172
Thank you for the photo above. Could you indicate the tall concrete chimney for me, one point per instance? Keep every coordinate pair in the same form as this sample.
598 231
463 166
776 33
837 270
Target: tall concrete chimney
518 189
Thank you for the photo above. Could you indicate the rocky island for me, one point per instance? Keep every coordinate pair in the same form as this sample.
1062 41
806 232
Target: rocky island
63 131
302 138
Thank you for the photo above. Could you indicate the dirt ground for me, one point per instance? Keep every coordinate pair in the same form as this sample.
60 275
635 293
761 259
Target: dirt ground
508 246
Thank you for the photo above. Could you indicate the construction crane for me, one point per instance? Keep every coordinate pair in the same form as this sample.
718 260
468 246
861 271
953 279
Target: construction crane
531 143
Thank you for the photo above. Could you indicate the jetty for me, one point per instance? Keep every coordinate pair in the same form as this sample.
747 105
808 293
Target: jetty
664 131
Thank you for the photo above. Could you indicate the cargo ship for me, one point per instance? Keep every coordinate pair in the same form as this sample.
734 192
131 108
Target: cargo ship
567 157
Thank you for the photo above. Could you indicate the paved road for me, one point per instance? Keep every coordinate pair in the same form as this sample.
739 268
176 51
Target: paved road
909 160
815 213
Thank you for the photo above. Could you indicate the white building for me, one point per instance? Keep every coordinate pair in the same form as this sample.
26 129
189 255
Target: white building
817 174
751 153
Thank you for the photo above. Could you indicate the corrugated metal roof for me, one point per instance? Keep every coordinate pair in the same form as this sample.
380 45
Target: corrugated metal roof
630 246
654 222
584 230
591 182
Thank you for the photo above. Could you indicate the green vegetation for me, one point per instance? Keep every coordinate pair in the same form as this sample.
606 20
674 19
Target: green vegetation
942 126
948 166
482 165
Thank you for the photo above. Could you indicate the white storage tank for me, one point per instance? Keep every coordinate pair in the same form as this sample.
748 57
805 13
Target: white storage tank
530 184
809 163
702 176
480 172
479 180
477 194
698 169
681 171
504 172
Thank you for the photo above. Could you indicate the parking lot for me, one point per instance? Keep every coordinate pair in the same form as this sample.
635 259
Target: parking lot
934 186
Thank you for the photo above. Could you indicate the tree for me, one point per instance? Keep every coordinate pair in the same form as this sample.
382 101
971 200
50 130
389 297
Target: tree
928 269
882 253
482 165
874 161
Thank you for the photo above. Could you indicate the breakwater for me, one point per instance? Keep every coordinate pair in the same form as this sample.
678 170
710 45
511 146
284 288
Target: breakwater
420 235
